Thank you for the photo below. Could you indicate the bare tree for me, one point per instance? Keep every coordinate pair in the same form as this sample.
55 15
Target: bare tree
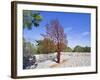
56 33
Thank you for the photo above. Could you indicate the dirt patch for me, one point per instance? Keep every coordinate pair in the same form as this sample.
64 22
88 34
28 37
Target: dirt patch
58 64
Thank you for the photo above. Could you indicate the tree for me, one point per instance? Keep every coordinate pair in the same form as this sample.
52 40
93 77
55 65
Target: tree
81 49
87 49
28 48
55 32
68 49
78 49
45 46
31 18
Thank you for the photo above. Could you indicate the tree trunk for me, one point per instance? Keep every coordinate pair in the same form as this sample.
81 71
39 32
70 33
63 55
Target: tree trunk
58 57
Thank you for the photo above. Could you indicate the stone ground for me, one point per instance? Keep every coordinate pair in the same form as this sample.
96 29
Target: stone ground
67 60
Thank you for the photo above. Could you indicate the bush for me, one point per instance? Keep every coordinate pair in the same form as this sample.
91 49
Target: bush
28 61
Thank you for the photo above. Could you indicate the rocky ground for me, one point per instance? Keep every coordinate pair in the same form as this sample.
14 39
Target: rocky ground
67 60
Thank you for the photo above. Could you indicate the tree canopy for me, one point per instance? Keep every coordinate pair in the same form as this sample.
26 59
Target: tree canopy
81 49
55 32
28 48
68 49
31 18
45 46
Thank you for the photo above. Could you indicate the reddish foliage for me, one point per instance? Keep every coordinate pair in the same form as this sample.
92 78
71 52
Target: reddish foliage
55 32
